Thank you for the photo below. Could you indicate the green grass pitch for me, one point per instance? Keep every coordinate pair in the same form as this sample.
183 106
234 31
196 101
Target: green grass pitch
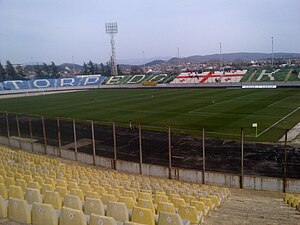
222 112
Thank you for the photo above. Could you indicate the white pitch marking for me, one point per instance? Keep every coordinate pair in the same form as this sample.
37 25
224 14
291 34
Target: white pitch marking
274 124
274 103
233 99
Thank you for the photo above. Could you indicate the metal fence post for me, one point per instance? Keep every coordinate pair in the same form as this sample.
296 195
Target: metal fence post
58 136
18 129
170 153
141 150
285 161
44 134
75 138
94 144
30 131
7 128
115 147
203 155
242 159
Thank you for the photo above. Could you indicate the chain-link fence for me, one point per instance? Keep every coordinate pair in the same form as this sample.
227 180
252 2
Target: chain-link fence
156 145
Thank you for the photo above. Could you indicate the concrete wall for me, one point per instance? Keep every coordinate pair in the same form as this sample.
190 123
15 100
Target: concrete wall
103 162
195 176
67 154
85 158
222 179
155 170
263 183
293 186
126 166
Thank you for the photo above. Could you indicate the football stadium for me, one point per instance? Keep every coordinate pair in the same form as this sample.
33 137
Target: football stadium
210 136
175 149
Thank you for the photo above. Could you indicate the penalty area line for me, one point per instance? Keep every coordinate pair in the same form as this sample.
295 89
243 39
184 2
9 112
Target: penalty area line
274 124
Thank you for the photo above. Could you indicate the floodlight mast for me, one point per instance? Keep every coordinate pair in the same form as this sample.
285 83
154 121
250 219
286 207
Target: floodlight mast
221 60
272 51
112 29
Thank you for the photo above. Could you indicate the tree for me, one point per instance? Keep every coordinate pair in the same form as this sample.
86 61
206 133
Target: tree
10 70
53 71
119 70
134 70
102 69
91 67
38 71
46 70
2 73
107 69
20 72
85 68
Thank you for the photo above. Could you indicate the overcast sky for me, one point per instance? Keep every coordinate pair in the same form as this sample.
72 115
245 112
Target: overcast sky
56 30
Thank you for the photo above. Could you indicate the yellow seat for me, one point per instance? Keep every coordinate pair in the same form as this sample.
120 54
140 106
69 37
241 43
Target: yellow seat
3 208
77 192
131 223
131 194
114 191
295 202
108 197
35 185
72 201
166 218
200 206
44 214
177 202
208 202
92 205
100 190
128 201
215 199
143 216
61 183
9 181
92 194
62 191
22 183
38 179
19 211
188 199
53 198
146 203
70 216
160 198
72 185
46 187
33 195
18 176
165 207
49 180
15 192
3 191
144 195
103 220
27 177
190 213
118 211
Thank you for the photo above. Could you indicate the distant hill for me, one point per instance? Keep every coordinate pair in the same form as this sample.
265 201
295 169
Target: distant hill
244 56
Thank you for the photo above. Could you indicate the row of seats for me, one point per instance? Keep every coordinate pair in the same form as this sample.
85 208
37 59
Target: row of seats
293 200
37 179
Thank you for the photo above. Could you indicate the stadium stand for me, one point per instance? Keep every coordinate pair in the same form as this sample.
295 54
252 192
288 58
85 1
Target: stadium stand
136 79
293 200
81 195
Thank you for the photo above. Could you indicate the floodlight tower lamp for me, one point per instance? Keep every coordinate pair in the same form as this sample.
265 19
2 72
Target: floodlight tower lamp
112 29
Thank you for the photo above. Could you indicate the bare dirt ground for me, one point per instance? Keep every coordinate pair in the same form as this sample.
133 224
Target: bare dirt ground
254 207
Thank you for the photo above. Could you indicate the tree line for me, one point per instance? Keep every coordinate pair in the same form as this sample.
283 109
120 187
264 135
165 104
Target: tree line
17 72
